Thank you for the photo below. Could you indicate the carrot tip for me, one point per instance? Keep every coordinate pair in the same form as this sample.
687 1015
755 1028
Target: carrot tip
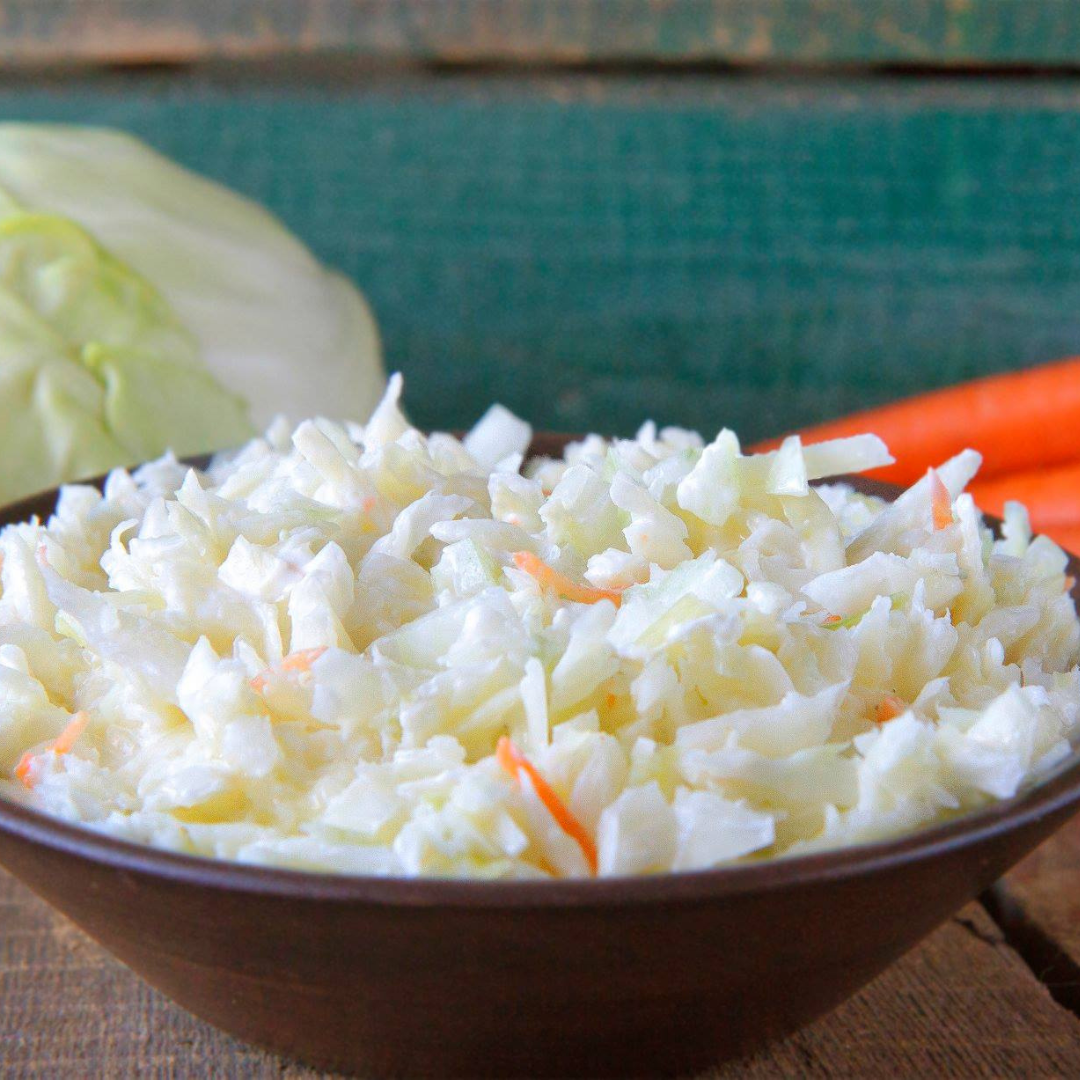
1019 420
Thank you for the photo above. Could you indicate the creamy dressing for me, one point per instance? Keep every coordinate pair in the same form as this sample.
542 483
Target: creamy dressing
360 649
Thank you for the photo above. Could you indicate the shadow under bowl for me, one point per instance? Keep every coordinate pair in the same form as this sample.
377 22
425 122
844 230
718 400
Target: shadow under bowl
622 977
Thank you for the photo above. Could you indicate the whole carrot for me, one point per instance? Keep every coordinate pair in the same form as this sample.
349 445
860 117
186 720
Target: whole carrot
1067 537
1017 421
1052 496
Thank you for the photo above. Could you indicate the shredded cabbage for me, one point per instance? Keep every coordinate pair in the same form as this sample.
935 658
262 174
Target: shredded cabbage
334 649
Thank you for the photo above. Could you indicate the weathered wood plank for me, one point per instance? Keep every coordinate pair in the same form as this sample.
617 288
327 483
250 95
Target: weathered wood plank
1039 905
960 1005
559 31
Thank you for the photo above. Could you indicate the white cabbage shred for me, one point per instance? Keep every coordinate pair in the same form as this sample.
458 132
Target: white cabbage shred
307 655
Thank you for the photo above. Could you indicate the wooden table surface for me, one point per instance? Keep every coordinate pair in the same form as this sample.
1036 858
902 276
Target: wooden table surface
994 992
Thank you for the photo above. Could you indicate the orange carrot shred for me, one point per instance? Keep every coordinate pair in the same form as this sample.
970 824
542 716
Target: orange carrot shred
302 659
512 760
65 741
611 699
550 578
298 661
832 620
22 770
1070 583
889 708
940 503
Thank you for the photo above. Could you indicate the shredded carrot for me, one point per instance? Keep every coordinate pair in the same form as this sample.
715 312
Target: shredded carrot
302 659
1070 583
889 708
550 578
298 661
64 743
611 699
368 504
940 503
22 770
843 622
512 760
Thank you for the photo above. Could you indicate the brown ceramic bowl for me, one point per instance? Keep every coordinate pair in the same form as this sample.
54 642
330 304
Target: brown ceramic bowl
639 976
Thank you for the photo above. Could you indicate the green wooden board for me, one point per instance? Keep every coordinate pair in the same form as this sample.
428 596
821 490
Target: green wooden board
740 31
593 252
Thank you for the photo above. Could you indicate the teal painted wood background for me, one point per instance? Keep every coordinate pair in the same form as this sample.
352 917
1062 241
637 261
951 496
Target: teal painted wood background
706 251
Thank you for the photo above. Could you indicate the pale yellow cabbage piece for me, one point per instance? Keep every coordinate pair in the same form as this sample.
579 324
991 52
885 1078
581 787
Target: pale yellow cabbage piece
144 308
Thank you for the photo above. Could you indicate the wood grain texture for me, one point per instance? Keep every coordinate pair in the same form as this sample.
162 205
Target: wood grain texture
1039 902
545 31
961 1005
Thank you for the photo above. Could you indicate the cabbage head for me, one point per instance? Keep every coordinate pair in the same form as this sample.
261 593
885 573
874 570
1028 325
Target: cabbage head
144 308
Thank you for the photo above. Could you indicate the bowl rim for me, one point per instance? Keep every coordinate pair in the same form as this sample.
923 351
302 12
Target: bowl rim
1051 794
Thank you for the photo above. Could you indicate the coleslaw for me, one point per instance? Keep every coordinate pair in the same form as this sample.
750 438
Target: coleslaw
361 649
